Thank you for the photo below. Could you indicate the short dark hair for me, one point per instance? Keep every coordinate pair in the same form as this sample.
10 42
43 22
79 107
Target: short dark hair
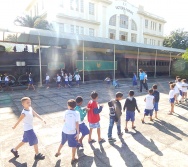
71 103
184 80
24 99
150 91
179 79
79 99
172 85
141 70
154 86
170 82
119 94
94 95
131 93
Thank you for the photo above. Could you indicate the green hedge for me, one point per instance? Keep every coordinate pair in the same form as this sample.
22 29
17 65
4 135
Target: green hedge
180 68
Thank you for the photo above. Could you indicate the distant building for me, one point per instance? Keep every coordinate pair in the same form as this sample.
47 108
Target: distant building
105 18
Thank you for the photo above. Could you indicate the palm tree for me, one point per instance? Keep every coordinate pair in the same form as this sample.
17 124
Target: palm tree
32 22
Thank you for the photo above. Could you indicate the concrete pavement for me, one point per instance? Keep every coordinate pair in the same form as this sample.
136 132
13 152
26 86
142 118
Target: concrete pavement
162 143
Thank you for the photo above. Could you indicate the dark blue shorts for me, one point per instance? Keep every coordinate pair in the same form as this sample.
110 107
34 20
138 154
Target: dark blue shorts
156 106
47 81
31 82
130 115
30 136
66 82
148 112
58 83
134 83
171 100
78 82
181 93
83 129
72 142
6 83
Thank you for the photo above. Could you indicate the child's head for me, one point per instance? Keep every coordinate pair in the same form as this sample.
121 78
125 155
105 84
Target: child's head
170 83
179 79
79 100
172 86
71 104
26 102
150 91
119 95
131 93
154 87
94 95
184 80
57 74
140 70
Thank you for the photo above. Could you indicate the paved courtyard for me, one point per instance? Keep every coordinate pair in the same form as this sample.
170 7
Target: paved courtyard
161 143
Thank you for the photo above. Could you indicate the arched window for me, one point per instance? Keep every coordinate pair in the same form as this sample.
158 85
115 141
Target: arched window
112 21
123 22
133 25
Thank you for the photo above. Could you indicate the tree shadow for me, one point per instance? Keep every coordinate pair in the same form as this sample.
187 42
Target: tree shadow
100 156
84 160
163 129
16 163
127 154
139 137
171 127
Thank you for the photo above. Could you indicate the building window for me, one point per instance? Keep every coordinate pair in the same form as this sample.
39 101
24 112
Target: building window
146 23
159 43
74 5
112 21
91 8
82 6
61 27
72 28
123 21
151 25
82 30
91 32
145 40
160 27
133 25
123 36
77 30
133 37
112 34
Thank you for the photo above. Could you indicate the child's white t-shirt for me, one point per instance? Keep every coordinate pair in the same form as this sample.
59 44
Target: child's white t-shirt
77 77
58 79
179 85
66 78
47 77
171 93
28 119
149 102
70 119
176 89
184 87
70 77
6 78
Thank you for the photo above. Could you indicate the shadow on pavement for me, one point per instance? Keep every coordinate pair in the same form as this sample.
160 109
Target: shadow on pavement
181 117
100 156
139 137
58 163
84 160
171 127
16 163
127 155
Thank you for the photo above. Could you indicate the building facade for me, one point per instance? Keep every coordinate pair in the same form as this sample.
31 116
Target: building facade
114 19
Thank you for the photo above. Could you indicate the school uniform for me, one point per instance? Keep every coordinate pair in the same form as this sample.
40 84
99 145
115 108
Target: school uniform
58 80
47 79
69 128
171 96
149 105
156 94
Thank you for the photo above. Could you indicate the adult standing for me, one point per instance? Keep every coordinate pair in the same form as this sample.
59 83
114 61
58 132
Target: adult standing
142 77
145 81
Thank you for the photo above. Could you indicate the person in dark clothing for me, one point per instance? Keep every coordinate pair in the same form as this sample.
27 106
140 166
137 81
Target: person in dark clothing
157 97
115 115
130 106
142 79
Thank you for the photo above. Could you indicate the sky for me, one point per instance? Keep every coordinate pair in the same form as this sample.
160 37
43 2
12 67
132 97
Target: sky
173 11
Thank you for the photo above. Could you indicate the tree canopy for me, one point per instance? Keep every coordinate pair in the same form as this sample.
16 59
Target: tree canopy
32 22
177 39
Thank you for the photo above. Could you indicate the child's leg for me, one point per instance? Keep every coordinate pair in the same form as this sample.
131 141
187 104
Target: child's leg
99 134
126 122
155 114
59 149
119 126
33 87
28 87
172 107
90 133
73 152
80 140
18 146
143 118
111 124
151 118
36 149
133 124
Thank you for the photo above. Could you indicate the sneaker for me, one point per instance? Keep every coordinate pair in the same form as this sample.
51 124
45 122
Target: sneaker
126 130
39 157
110 139
15 153
74 161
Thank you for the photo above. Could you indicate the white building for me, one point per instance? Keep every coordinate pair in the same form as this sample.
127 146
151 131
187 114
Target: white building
101 18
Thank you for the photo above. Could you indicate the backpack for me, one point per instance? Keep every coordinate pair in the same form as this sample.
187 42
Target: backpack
112 111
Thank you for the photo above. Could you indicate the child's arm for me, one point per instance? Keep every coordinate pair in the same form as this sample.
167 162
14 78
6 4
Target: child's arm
137 107
97 110
77 130
145 99
19 120
125 105
38 116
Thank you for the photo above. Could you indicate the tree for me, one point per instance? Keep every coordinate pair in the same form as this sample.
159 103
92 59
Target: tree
177 39
32 22
185 55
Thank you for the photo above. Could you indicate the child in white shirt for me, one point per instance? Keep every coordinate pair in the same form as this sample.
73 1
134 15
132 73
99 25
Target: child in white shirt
77 78
184 89
171 98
